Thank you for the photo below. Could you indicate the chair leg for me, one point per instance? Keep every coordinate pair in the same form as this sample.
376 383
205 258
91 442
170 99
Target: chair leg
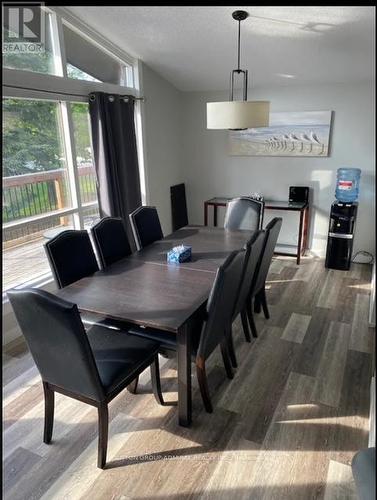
132 387
257 304
203 385
103 431
264 304
226 359
232 352
245 326
251 320
49 396
156 381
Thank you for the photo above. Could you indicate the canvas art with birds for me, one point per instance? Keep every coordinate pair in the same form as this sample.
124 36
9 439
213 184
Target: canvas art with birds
305 133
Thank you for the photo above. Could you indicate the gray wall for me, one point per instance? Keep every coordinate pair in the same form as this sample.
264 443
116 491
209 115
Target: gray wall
163 139
209 171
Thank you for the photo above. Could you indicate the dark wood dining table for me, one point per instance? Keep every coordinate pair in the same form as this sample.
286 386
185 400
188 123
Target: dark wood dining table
145 290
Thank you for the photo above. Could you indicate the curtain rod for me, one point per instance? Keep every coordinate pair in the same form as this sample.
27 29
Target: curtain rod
124 96
142 99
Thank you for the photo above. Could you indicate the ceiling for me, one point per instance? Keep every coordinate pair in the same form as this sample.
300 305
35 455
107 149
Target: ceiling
195 48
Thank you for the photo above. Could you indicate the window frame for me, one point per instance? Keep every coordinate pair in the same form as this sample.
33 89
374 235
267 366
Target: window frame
63 90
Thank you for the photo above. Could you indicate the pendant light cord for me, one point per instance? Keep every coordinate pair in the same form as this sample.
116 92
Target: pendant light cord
239 15
239 45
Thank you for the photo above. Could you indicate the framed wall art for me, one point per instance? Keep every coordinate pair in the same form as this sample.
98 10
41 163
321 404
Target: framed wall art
301 133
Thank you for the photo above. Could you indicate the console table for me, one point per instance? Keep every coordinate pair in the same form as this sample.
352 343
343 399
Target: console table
303 208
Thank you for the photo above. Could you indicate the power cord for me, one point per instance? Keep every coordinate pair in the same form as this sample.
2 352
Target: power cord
366 254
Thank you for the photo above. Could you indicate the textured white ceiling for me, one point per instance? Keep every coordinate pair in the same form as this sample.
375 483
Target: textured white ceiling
195 47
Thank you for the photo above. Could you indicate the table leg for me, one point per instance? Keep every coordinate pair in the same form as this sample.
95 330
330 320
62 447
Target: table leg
215 215
306 228
205 214
184 376
299 244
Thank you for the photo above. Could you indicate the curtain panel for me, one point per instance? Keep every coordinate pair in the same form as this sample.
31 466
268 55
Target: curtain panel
115 155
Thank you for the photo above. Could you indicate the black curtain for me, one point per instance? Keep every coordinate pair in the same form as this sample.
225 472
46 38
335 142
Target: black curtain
115 155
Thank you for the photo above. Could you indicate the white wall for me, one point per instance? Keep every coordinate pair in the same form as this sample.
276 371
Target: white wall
372 306
372 413
209 171
163 139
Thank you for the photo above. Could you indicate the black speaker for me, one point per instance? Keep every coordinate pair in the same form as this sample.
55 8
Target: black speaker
299 194
178 206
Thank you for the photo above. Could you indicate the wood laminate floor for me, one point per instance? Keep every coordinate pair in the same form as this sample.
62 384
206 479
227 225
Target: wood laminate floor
286 427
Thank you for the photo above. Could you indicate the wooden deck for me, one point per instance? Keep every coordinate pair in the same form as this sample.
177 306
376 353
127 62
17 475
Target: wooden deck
24 263
285 428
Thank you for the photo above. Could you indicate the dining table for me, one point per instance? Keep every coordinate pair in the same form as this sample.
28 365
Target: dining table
144 289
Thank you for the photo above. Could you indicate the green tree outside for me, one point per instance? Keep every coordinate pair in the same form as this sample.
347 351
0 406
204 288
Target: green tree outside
32 143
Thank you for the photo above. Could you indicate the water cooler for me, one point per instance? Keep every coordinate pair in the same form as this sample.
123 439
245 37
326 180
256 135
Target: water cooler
340 237
343 219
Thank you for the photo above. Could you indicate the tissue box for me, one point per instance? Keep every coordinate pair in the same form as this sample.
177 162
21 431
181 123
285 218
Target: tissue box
179 254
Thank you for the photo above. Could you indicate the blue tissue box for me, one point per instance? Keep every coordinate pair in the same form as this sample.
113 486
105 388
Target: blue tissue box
179 254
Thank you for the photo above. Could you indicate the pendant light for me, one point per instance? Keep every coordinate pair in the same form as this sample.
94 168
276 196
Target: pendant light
238 115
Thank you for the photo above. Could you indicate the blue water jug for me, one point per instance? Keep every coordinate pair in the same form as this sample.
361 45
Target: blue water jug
347 184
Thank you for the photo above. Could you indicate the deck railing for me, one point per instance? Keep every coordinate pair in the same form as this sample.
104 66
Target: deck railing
29 195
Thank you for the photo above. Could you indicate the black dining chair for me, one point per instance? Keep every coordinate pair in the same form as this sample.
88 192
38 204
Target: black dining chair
71 256
253 249
258 290
244 213
178 206
213 327
215 332
146 226
91 366
110 240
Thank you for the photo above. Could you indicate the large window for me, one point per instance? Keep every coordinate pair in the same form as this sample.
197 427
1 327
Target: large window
49 181
41 194
84 161
79 74
38 61
86 61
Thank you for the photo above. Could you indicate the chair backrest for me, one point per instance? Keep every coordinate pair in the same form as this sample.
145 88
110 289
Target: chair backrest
244 213
110 240
146 226
71 256
57 341
178 206
221 303
253 253
271 236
